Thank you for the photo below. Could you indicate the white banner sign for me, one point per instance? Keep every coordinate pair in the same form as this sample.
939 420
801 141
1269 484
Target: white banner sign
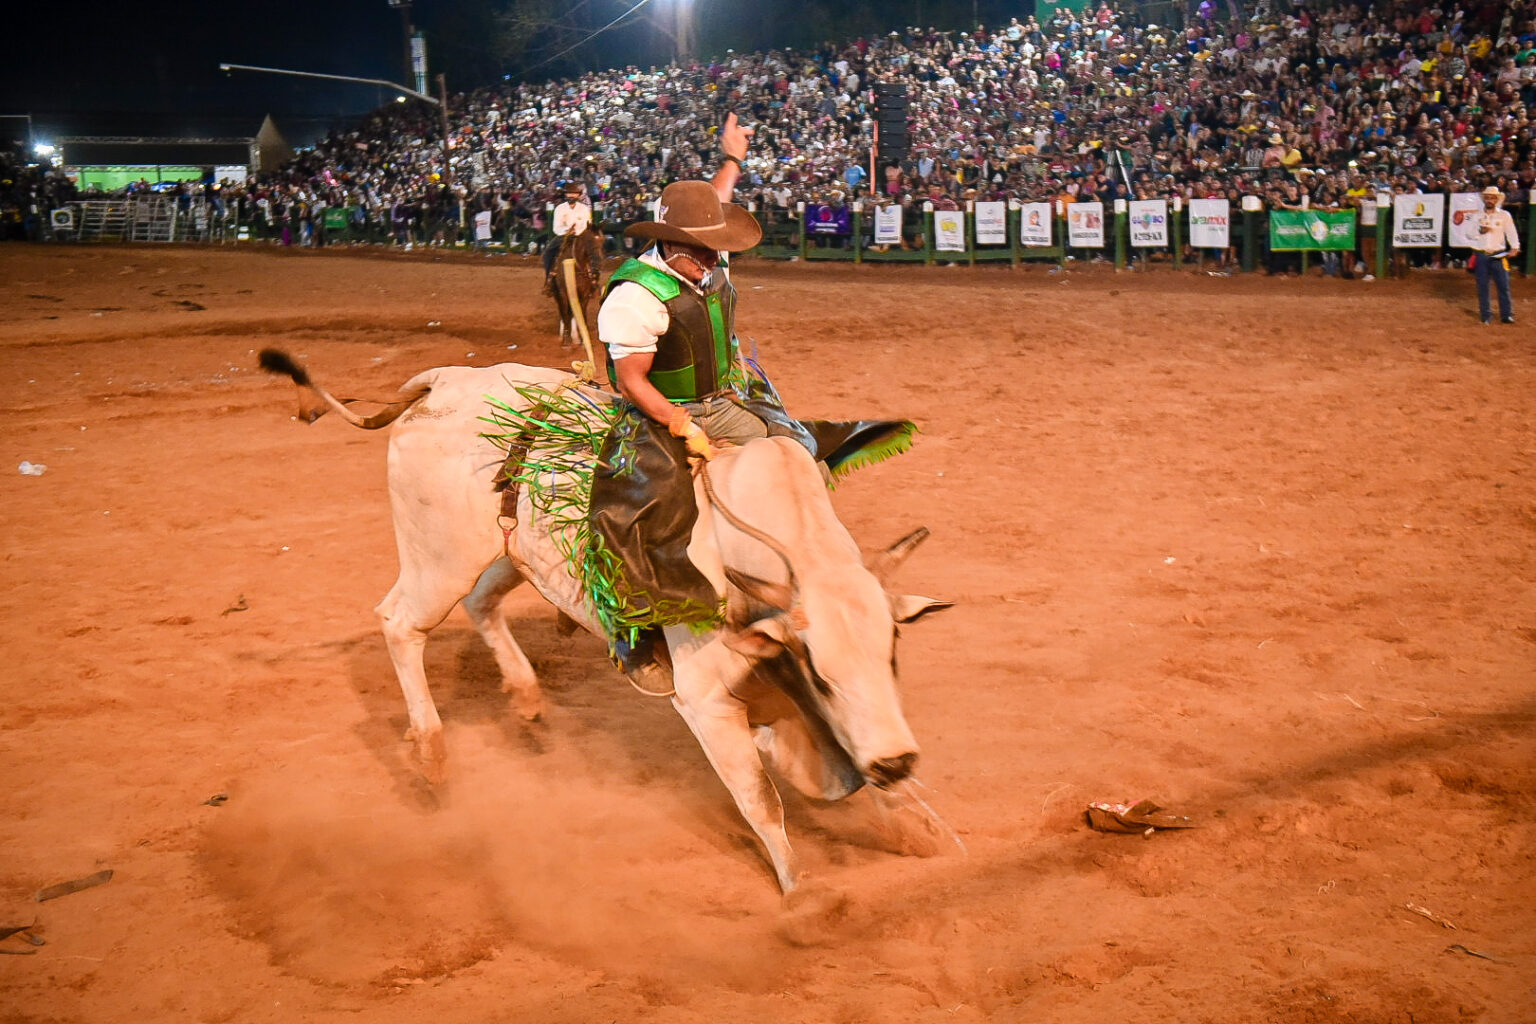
1417 220
949 230
1210 223
1465 209
1149 222
1085 225
888 225
1035 225
991 223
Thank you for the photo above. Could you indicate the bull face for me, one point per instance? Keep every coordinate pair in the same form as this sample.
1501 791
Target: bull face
840 627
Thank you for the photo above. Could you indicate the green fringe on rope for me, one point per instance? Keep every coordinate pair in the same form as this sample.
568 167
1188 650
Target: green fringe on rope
557 473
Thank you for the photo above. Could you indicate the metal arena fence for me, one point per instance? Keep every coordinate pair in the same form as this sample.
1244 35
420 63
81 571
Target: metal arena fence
1383 236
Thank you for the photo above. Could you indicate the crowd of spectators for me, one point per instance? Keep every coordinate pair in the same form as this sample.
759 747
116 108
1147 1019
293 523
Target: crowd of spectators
28 190
1324 105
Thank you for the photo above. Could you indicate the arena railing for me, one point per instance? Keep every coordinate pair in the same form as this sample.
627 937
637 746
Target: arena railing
926 235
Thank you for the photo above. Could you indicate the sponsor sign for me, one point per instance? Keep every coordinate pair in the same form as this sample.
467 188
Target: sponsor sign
991 223
1311 230
1149 222
1085 225
949 230
1035 225
888 225
829 220
1417 220
1210 223
1466 208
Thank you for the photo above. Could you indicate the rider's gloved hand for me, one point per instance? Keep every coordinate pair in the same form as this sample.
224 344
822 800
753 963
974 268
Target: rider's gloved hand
693 435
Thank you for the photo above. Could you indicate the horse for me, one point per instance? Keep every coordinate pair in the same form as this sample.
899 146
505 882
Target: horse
579 248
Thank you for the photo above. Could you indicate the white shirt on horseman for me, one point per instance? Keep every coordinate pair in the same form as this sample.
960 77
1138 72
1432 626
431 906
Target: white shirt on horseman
572 218
631 320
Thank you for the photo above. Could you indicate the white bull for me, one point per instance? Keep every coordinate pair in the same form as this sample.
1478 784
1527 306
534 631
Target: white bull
802 675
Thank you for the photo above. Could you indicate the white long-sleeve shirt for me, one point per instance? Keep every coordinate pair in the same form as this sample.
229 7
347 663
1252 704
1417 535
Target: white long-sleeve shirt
1500 235
572 218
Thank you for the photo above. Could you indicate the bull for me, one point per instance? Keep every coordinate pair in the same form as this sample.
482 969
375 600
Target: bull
799 677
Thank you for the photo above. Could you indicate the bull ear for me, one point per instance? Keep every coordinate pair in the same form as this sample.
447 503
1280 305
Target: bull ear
888 561
907 607
762 639
774 595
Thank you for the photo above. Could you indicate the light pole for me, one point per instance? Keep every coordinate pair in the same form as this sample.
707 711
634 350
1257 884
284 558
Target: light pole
404 7
685 38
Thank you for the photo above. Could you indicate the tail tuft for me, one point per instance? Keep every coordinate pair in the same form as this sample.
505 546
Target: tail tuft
281 363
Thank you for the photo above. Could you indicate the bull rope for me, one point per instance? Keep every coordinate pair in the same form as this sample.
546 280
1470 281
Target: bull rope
744 527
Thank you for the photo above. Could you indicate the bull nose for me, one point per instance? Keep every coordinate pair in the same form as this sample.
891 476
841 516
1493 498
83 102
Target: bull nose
890 770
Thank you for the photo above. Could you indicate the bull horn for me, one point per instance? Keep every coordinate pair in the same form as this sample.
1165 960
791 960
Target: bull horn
888 561
774 595
908 607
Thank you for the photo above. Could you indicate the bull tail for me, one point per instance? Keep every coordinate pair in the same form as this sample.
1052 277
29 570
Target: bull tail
281 363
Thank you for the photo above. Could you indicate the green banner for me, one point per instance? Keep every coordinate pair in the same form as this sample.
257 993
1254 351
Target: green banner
335 217
1311 230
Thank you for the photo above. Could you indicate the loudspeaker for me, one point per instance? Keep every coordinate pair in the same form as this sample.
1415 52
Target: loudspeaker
883 89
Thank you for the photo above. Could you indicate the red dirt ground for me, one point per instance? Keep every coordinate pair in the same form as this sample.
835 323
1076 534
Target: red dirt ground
1263 550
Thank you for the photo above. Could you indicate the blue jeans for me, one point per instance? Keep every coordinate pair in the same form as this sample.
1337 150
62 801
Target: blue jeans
1496 270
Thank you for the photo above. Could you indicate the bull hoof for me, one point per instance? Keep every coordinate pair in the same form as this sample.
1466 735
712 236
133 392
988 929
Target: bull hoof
812 913
430 754
529 707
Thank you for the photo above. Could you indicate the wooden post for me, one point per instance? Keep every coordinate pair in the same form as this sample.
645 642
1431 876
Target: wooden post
970 232
1383 236
1250 239
1122 228
1177 233
1013 235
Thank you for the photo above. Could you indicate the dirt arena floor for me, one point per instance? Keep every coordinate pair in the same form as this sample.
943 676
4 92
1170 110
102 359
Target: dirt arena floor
1260 550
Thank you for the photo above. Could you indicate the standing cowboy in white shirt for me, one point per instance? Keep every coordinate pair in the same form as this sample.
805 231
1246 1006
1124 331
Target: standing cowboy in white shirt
1497 243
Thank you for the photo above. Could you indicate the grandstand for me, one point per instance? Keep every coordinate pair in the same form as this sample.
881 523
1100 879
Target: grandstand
1324 109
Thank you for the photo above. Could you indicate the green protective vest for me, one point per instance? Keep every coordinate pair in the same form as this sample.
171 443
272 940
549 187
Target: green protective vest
697 354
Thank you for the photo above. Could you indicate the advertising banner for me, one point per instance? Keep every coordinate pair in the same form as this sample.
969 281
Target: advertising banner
1311 230
1466 207
1085 225
1210 223
949 230
991 223
1417 220
829 220
1035 225
888 225
1149 222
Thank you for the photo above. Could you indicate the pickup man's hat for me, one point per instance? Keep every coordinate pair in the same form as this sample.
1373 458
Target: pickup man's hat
691 212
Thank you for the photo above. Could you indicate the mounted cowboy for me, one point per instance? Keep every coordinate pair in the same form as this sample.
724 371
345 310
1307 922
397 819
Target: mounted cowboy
572 217
668 321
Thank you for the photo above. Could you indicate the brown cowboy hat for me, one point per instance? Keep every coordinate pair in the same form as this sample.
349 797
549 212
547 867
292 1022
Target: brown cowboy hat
691 213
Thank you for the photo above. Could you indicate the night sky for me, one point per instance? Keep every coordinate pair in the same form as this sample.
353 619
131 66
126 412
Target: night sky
95 68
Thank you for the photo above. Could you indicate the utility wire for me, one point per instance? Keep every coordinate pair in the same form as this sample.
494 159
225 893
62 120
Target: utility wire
589 38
